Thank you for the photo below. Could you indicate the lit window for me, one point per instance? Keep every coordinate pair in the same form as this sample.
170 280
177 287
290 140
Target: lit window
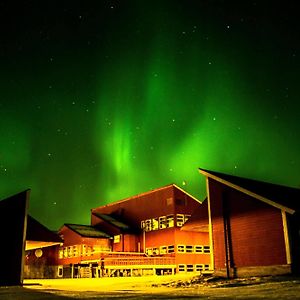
149 251
83 251
163 250
162 222
65 252
170 221
179 220
148 225
75 251
189 248
199 249
155 251
171 249
70 251
154 224
206 267
143 224
88 250
117 238
61 253
206 249
181 268
180 248
190 268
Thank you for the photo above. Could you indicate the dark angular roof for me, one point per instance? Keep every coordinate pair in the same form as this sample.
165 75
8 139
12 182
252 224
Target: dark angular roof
286 196
38 232
113 221
87 231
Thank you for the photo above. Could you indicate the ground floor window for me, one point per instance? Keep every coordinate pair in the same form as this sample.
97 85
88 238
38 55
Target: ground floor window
181 268
60 271
193 268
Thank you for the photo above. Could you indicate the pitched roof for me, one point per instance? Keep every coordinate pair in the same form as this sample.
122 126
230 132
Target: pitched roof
38 232
172 185
87 231
282 197
111 220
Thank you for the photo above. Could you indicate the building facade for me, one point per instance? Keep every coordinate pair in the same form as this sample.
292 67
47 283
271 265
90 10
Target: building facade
163 231
254 226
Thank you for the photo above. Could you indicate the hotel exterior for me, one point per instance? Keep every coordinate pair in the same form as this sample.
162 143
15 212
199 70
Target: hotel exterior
163 231
244 227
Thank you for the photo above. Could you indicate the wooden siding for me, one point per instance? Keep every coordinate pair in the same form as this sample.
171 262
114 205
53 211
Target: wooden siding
165 201
162 237
127 243
135 209
256 229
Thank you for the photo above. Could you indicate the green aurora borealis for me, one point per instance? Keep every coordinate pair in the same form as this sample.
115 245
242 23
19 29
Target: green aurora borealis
103 100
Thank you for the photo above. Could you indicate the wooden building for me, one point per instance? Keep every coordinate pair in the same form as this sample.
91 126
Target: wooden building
41 251
29 249
254 226
163 231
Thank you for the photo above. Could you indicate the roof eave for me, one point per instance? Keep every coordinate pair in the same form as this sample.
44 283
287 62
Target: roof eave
247 192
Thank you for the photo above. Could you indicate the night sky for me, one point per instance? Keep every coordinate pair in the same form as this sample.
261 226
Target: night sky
101 100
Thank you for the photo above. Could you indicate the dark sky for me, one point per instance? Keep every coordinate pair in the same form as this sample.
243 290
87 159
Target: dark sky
101 100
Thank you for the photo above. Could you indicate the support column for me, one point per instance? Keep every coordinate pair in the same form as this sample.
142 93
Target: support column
286 238
210 228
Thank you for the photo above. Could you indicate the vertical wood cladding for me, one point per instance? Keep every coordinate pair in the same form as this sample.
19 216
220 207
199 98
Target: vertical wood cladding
135 209
256 229
160 202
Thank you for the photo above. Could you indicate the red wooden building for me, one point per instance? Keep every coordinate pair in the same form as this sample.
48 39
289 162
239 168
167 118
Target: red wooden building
254 226
163 231
41 251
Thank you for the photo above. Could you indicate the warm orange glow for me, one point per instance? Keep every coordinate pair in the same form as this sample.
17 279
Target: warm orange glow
31 245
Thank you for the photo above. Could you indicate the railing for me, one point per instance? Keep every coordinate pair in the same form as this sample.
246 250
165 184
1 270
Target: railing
153 261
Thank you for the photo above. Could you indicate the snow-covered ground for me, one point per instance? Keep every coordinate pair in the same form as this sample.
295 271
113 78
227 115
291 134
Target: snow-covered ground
156 287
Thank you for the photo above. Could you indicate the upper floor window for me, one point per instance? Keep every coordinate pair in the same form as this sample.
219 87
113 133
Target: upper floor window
155 224
162 222
170 221
117 238
179 220
158 223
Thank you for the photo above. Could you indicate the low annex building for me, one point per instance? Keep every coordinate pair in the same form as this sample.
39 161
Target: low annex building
33 247
163 231
254 226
